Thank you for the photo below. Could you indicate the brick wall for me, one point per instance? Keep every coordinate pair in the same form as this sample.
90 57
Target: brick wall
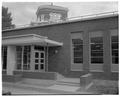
61 61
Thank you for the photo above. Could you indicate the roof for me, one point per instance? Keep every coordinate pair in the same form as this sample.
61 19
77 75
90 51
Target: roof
29 39
72 20
52 7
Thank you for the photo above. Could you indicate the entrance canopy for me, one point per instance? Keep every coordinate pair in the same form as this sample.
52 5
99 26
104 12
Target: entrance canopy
29 39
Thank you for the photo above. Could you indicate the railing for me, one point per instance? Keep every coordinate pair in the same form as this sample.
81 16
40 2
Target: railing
68 19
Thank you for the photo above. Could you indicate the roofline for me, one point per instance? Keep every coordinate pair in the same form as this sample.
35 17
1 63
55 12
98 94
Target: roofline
65 22
25 35
29 39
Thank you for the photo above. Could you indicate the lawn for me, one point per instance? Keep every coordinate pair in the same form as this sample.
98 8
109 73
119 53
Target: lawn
105 87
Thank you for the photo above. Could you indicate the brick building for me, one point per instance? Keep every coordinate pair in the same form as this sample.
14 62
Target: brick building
70 48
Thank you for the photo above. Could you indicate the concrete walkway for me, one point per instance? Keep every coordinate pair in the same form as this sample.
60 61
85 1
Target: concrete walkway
44 87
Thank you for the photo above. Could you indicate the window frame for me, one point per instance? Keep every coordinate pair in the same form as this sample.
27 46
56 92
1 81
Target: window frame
22 59
96 67
113 65
75 66
3 51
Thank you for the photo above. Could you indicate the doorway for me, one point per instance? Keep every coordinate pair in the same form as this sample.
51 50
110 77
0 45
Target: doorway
39 60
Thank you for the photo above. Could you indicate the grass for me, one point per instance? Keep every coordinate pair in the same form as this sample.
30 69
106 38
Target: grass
105 87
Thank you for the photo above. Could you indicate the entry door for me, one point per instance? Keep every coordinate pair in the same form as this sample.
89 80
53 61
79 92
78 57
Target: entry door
40 60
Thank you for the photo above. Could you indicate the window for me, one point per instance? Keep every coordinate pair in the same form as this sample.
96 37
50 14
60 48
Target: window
96 44
39 48
23 57
114 46
19 57
4 57
42 18
114 50
26 58
55 17
77 51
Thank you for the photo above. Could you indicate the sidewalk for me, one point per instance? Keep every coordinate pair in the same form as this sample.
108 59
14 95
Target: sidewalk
42 87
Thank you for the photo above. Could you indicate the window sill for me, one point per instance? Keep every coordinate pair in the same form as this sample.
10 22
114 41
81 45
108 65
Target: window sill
115 71
96 71
76 70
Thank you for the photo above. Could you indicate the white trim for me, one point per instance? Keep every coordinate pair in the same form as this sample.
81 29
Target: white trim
112 33
90 36
96 65
76 65
29 39
76 69
75 36
39 63
25 35
114 66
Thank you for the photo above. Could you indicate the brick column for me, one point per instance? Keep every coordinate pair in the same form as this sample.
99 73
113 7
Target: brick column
107 52
86 52
11 59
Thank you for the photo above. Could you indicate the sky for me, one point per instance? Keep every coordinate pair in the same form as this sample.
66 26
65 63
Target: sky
25 12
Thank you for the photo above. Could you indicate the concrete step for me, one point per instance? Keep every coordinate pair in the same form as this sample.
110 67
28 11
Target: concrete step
59 76
42 82
39 82
68 83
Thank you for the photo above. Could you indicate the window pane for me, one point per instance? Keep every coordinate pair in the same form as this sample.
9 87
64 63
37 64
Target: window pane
26 57
96 40
39 48
19 66
96 49
42 60
115 52
23 57
41 66
96 60
115 60
77 47
77 41
78 60
19 57
4 57
36 61
114 46
36 55
114 38
36 66
42 55
78 54
25 67
96 46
